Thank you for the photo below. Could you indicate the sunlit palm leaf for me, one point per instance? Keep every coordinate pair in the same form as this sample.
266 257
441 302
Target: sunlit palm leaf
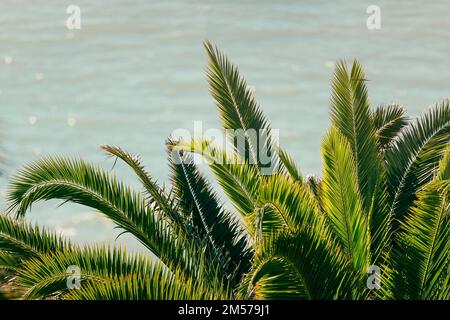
49 275
158 284
388 121
289 167
350 114
342 200
304 265
239 110
444 166
281 206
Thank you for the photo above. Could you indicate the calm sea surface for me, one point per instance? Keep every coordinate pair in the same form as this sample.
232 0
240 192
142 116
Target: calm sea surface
135 71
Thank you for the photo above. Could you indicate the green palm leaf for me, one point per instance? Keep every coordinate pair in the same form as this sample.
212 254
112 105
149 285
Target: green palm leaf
342 200
239 180
79 182
413 158
155 193
222 234
304 265
239 110
424 247
158 284
47 275
350 114
282 206
388 121
21 240
289 167
444 166
380 220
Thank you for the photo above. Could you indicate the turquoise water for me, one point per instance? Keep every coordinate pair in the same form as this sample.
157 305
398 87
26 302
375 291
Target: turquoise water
135 71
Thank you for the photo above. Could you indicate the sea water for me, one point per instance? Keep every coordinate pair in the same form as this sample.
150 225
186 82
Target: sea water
134 72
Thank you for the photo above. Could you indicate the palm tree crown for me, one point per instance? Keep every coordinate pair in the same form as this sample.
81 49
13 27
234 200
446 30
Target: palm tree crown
381 202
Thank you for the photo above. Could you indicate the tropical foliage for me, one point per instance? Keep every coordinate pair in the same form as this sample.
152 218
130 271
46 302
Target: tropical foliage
381 203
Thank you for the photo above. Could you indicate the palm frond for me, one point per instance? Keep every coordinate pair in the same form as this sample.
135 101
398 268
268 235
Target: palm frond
282 206
21 240
289 167
224 238
82 183
158 284
424 246
238 109
47 275
314 183
350 114
412 160
444 166
155 192
388 121
239 180
342 200
380 223
304 265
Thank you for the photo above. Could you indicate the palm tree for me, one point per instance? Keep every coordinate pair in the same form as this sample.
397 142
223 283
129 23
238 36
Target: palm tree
382 203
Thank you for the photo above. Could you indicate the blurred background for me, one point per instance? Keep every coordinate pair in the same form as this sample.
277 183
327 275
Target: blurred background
134 72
